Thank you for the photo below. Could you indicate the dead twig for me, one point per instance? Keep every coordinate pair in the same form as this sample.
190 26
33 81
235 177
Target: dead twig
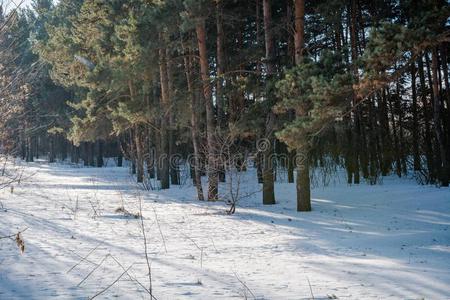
145 249
93 270
112 283
18 239
310 289
84 258
245 286
132 278
13 235
159 228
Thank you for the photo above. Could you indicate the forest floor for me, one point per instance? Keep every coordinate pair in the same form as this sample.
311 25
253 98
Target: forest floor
389 241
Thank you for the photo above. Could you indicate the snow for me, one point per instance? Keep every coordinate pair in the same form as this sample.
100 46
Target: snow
389 241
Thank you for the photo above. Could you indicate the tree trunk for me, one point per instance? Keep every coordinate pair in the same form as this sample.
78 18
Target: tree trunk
163 158
446 96
385 135
99 154
399 109
303 188
427 117
299 37
139 155
63 147
415 125
85 154
398 167
51 155
303 176
120 154
357 115
158 154
150 157
197 180
29 153
37 147
220 65
375 149
133 167
137 136
437 122
173 162
77 154
210 125
267 163
74 154
220 80
291 166
91 154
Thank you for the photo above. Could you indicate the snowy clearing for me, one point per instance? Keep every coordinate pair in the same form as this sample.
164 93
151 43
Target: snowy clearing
390 241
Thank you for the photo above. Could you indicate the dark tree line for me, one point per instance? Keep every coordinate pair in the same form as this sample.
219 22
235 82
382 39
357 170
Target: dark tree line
353 84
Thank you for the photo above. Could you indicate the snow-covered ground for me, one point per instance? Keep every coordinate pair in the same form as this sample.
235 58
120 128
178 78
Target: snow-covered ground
390 241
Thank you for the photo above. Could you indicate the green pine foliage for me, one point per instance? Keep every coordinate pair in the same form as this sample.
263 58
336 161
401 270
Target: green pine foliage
318 92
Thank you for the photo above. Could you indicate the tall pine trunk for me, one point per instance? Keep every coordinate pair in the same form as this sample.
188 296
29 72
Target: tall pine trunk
29 152
139 162
220 62
84 153
173 162
398 168
197 180
220 65
267 165
299 36
137 141
163 155
442 171
399 109
150 153
415 124
303 176
303 188
427 117
51 154
99 154
446 96
356 132
91 151
213 181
